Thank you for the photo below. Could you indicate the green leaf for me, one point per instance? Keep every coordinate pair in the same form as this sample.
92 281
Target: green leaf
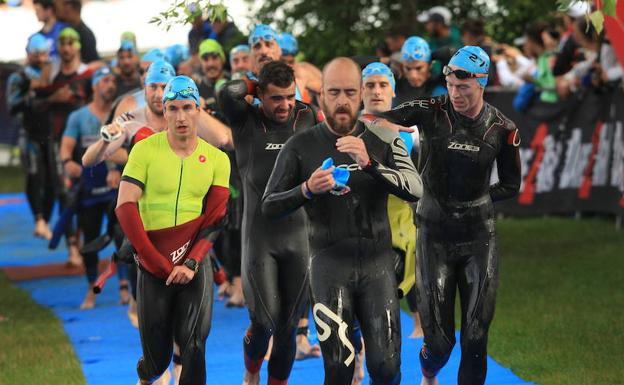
608 7
597 19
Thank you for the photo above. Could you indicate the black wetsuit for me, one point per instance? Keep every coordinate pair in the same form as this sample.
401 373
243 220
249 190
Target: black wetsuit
352 269
456 243
275 254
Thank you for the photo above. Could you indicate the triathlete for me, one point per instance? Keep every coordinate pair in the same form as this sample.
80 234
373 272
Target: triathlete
461 137
173 192
352 271
274 262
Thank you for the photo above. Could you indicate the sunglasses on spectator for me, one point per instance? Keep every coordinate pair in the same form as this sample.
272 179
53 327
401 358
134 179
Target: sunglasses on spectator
461 74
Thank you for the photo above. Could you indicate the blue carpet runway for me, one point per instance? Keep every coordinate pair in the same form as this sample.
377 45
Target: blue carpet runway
108 346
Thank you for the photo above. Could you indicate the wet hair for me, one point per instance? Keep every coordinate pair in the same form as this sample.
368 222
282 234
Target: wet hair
277 73
47 4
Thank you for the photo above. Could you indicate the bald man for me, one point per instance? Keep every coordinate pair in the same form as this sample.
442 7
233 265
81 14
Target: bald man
345 200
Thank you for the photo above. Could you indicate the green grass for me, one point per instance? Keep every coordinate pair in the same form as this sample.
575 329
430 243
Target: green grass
34 348
559 316
11 179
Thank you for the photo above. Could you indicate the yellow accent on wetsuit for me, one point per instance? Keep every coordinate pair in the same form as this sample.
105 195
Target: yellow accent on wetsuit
174 188
403 230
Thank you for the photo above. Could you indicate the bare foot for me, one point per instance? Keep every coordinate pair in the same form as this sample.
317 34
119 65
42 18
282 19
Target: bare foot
132 313
267 355
124 292
89 301
224 290
164 379
236 294
251 379
358 372
177 372
74 259
429 381
42 230
417 332
305 350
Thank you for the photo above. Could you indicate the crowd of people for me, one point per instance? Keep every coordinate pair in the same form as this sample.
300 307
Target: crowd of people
229 161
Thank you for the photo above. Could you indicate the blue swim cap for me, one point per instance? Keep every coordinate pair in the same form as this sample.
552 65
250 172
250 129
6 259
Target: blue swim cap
377 68
288 44
38 43
472 59
127 45
99 74
237 49
408 140
416 48
159 72
179 88
177 54
341 175
154 55
262 32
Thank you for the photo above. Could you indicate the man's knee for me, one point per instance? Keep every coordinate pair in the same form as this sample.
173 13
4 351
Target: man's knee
387 372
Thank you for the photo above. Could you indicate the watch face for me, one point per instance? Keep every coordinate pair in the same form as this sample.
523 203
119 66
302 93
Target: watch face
191 264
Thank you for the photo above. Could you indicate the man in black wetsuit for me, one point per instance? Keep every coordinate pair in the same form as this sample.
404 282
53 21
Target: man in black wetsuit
352 271
274 262
461 137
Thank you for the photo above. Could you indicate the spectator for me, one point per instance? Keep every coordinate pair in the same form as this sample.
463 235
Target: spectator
44 10
438 24
395 38
228 34
512 66
537 48
69 11
569 52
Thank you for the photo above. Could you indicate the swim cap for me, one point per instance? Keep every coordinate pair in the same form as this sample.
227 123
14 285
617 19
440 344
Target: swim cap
154 55
472 59
179 88
211 46
99 74
377 68
159 72
288 44
237 49
71 34
177 54
416 48
127 45
262 32
408 140
38 43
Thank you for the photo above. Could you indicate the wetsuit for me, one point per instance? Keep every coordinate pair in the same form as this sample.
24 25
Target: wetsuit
352 271
94 195
275 253
181 198
37 150
457 245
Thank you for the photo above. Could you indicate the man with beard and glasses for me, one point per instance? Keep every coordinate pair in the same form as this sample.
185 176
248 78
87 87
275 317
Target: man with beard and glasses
128 77
274 262
83 128
352 271
461 138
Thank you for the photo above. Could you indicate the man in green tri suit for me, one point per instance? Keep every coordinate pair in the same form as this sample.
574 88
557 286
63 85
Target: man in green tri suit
173 194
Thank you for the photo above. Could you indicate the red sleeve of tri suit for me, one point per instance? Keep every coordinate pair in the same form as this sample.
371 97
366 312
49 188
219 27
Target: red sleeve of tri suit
214 211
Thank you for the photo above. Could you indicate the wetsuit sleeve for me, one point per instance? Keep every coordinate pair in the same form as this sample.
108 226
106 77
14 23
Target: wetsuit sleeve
215 205
415 112
397 171
508 166
283 193
17 86
135 170
231 99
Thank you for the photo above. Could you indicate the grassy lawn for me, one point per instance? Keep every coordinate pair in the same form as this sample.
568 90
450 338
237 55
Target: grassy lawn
12 179
559 316
34 348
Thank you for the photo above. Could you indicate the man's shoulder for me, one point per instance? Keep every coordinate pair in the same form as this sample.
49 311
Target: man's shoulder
499 119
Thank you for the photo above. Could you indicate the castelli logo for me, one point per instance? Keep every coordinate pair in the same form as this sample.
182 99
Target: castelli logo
202 158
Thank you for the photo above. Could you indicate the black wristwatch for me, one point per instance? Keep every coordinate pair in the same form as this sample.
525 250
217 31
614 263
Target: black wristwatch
191 264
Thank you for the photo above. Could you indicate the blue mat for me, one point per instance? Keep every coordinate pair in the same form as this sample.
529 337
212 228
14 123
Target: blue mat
108 346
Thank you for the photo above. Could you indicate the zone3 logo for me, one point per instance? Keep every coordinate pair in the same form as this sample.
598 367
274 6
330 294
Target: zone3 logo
176 255
274 146
462 147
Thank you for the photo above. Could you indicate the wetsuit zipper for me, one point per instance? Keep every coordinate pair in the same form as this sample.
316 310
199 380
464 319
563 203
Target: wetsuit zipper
175 217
